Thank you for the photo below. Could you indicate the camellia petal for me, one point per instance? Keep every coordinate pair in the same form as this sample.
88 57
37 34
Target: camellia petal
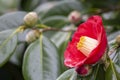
88 43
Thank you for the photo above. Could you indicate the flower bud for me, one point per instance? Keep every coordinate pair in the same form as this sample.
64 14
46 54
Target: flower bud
31 19
74 17
32 36
84 70
118 39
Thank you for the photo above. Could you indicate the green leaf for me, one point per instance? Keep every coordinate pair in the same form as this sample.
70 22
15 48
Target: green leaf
99 72
16 58
112 72
115 55
41 61
11 20
68 75
55 21
103 4
29 5
45 7
49 34
60 39
8 5
7 45
63 8
113 35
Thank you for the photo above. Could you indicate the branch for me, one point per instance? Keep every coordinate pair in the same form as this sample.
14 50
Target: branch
57 29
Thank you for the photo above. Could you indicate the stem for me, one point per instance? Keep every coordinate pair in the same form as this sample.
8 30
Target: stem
47 28
97 71
113 69
57 29
41 26
41 52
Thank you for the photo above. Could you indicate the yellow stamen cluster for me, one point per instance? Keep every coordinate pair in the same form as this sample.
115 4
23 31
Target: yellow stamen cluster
86 45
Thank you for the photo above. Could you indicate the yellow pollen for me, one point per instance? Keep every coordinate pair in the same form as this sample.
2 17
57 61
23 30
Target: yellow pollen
86 45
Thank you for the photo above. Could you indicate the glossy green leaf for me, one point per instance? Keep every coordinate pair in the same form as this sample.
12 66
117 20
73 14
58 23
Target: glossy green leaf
16 58
41 61
63 8
99 72
60 39
8 5
103 4
115 55
49 34
42 8
29 5
68 75
11 20
112 72
55 21
7 45
112 36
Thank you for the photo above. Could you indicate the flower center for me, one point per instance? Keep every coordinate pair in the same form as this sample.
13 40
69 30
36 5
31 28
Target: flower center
86 45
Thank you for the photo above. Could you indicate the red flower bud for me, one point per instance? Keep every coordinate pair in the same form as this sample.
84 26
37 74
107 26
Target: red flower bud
84 70
88 44
74 17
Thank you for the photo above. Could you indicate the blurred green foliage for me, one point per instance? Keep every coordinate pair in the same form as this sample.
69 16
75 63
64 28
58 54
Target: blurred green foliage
55 13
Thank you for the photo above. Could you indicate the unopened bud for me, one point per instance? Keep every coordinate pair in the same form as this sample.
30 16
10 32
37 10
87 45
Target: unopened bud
74 17
32 36
31 19
118 39
84 70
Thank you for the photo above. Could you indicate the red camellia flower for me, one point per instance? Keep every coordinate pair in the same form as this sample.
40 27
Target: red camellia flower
88 44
